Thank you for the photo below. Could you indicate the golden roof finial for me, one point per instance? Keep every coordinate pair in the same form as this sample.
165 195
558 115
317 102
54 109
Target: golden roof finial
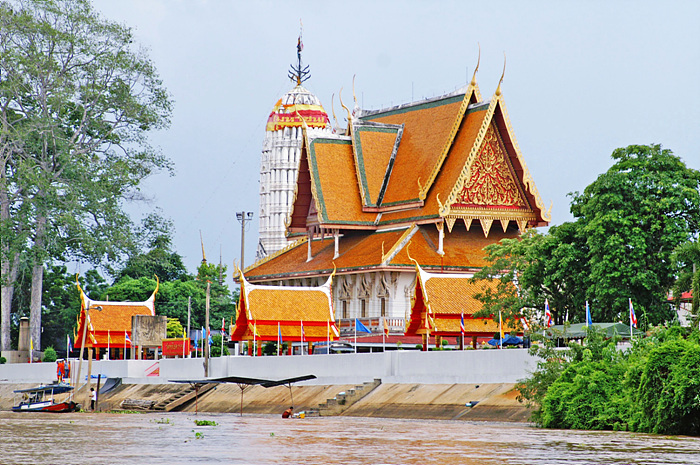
333 111
473 83
340 97
498 89
204 257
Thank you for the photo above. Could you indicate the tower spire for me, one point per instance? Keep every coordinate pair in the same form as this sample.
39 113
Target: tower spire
299 73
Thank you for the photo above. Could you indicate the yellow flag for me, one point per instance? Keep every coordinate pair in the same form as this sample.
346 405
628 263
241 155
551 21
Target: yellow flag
500 326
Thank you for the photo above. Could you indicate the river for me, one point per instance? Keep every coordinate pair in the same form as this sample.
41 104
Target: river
173 438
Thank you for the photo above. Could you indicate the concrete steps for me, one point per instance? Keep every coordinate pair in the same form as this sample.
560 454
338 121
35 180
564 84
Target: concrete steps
344 400
182 397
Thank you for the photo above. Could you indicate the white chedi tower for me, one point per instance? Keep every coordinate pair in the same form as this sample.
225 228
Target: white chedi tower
280 162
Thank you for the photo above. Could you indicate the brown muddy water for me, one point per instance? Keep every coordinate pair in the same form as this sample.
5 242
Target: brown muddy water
173 438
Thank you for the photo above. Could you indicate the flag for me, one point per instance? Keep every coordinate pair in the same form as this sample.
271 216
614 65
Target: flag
633 317
303 336
547 315
223 327
386 327
196 341
279 333
359 327
126 337
461 324
500 328
31 349
526 326
589 320
69 346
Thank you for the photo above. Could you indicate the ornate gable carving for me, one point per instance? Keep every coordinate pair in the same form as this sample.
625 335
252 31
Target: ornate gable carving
492 182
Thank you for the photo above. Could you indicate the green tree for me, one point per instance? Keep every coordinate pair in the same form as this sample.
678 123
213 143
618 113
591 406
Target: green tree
633 217
160 260
174 328
216 346
77 101
686 259
534 267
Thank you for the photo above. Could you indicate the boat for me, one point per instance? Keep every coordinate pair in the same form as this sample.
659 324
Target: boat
43 399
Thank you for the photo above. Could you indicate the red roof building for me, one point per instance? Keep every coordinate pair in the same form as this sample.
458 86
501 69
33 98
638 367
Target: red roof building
109 322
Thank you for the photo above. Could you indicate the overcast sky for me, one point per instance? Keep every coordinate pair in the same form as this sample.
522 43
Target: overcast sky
582 79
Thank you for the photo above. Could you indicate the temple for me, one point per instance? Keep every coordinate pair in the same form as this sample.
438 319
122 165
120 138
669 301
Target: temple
284 315
108 323
444 175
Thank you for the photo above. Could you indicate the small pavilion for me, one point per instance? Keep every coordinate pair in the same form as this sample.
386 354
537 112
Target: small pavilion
440 302
284 315
109 323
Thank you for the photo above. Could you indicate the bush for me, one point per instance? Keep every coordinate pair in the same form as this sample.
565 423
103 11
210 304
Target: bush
50 354
3 360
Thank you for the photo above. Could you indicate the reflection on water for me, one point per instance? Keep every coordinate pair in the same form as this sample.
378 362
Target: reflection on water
173 438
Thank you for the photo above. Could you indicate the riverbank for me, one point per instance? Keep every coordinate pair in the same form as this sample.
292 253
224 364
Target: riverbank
491 402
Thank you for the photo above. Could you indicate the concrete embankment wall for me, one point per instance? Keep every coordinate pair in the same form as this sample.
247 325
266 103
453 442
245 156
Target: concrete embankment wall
414 384
395 367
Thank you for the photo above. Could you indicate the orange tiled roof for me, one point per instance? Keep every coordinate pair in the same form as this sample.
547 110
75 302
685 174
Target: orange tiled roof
426 129
267 311
449 171
374 146
334 183
366 250
443 299
112 322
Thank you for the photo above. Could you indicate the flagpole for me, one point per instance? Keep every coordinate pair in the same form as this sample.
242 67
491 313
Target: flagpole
355 335
384 336
631 317
500 330
223 327
328 335
109 338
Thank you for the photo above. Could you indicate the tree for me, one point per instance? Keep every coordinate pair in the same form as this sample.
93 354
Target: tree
686 259
633 218
174 328
535 267
160 260
76 104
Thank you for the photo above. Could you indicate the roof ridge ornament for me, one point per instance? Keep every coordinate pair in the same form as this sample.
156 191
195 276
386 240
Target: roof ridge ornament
498 89
478 60
333 111
298 73
340 97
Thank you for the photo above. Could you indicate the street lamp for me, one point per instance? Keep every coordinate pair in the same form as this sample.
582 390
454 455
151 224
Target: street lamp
242 218
82 344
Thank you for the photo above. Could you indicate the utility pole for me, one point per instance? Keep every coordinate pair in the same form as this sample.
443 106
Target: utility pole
206 337
189 312
243 218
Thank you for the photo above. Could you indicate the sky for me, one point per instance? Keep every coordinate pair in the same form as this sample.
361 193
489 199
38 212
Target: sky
581 79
